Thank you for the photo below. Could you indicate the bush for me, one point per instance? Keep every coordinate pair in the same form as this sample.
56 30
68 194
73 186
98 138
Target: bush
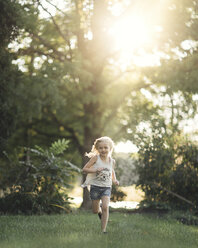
116 194
36 184
168 170
186 217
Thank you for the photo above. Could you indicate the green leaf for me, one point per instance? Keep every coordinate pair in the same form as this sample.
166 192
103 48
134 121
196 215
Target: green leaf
58 147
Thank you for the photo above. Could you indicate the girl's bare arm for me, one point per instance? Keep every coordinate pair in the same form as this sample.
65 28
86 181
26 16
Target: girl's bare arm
114 175
88 167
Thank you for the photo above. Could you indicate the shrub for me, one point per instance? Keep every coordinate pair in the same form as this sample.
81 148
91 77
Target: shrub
116 194
168 170
35 185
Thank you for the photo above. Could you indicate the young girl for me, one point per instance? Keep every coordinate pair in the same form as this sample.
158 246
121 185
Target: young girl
100 169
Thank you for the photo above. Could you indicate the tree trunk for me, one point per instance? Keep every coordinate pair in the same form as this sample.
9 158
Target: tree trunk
86 204
89 138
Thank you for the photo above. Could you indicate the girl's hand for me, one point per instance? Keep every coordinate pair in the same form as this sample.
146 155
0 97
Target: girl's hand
116 182
99 169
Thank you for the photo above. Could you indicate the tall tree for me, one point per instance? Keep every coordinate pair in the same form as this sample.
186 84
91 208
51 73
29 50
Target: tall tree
76 88
12 18
172 83
169 100
73 90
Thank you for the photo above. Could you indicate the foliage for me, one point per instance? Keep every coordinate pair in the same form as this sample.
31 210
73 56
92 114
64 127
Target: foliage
69 92
37 184
14 18
186 217
74 87
117 194
154 206
125 169
59 146
167 168
11 22
8 108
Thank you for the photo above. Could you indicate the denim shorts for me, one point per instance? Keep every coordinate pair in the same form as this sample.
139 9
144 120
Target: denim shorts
97 192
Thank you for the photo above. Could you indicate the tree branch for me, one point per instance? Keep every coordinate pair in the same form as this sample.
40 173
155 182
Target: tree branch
30 51
53 20
79 34
56 8
70 130
60 56
117 105
120 75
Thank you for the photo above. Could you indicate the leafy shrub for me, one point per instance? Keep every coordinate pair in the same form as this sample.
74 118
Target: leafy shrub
152 206
35 185
168 169
186 217
116 194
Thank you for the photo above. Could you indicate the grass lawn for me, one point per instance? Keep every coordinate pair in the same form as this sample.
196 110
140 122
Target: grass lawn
83 230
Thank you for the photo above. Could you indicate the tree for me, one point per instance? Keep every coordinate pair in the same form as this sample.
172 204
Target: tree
167 168
172 83
74 90
70 92
13 20
9 30
167 163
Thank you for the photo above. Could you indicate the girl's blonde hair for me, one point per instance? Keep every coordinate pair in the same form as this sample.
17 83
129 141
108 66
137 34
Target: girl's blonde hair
94 150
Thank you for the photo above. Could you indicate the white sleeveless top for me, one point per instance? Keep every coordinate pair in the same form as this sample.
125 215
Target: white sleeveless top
102 178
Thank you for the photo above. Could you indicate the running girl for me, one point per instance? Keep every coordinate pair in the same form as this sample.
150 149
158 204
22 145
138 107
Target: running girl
101 174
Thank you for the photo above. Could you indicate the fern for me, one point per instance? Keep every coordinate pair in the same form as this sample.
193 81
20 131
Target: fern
71 166
40 149
59 146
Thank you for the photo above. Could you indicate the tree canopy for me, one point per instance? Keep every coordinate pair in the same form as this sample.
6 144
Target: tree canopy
75 78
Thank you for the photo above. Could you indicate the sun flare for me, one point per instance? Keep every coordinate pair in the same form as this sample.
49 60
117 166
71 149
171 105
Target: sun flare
135 32
130 33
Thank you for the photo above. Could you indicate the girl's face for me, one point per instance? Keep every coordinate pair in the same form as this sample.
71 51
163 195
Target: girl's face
103 148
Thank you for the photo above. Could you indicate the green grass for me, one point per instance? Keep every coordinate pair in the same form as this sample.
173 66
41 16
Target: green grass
83 230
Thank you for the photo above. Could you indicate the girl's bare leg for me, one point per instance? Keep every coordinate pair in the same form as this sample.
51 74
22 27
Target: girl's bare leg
96 206
105 212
